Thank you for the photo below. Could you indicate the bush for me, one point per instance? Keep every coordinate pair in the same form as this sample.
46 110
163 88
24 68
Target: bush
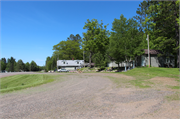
148 65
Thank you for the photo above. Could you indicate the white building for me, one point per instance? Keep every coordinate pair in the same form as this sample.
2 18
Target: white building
122 64
70 64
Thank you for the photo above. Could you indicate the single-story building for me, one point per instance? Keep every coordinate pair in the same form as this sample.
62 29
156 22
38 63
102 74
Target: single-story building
142 60
155 61
122 64
70 64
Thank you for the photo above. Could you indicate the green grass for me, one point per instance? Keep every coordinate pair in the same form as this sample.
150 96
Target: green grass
174 87
18 82
175 96
148 73
143 74
141 83
118 81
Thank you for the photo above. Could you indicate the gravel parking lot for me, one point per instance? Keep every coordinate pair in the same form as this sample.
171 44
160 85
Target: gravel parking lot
87 96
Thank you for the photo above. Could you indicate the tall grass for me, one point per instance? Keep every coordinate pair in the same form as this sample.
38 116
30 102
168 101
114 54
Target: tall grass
18 82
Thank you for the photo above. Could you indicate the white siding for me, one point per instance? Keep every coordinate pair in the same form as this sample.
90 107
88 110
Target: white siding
72 63
70 68
113 64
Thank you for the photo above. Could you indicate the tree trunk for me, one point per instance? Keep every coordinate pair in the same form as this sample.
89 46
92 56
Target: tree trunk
136 61
178 53
118 67
177 31
125 66
129 65
90 56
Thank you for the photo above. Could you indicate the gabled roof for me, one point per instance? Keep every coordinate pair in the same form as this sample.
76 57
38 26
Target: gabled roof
153 52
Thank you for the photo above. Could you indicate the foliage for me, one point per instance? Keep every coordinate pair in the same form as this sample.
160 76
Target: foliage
33 66
3 63
71 48
10 64
3 66
99 60
95 39
27 66
125 40
141 16
68 50
163 24
158 19
20 66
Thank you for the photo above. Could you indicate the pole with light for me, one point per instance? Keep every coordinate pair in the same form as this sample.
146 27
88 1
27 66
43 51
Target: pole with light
57 61
148 50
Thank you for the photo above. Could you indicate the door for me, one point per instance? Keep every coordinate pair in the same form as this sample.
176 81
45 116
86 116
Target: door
143 60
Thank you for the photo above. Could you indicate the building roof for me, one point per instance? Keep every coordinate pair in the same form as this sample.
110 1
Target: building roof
70 62
151 51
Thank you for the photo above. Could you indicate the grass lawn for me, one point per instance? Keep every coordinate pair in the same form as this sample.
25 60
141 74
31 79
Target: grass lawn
143 74
147 73
18 82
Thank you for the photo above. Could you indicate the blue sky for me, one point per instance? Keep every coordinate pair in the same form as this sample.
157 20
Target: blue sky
30 29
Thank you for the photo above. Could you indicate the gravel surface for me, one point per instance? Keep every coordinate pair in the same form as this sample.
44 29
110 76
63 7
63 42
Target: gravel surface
87 96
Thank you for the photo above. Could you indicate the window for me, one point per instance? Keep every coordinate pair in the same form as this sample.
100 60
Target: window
77 62
63 62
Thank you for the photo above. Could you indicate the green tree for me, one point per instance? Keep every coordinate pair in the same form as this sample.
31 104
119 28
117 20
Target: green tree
3 65
141 16
27 66
11 64
125 41
33 66
118 43
134 40
95 39
100 60
20 66
164 19
77 38
71 48
54 62
48 63
67 50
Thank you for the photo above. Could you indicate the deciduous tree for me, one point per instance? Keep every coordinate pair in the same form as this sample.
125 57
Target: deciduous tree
95 38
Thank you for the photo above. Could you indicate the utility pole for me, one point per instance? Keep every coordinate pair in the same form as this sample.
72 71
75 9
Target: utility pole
57 61
83 58
125 60
148 50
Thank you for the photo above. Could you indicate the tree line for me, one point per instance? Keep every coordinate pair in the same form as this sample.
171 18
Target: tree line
158 19
11 65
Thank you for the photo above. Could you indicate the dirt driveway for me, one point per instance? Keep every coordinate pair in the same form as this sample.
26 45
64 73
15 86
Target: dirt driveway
88 96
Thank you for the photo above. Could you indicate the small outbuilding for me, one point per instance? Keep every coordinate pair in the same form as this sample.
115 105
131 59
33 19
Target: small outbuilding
155 61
